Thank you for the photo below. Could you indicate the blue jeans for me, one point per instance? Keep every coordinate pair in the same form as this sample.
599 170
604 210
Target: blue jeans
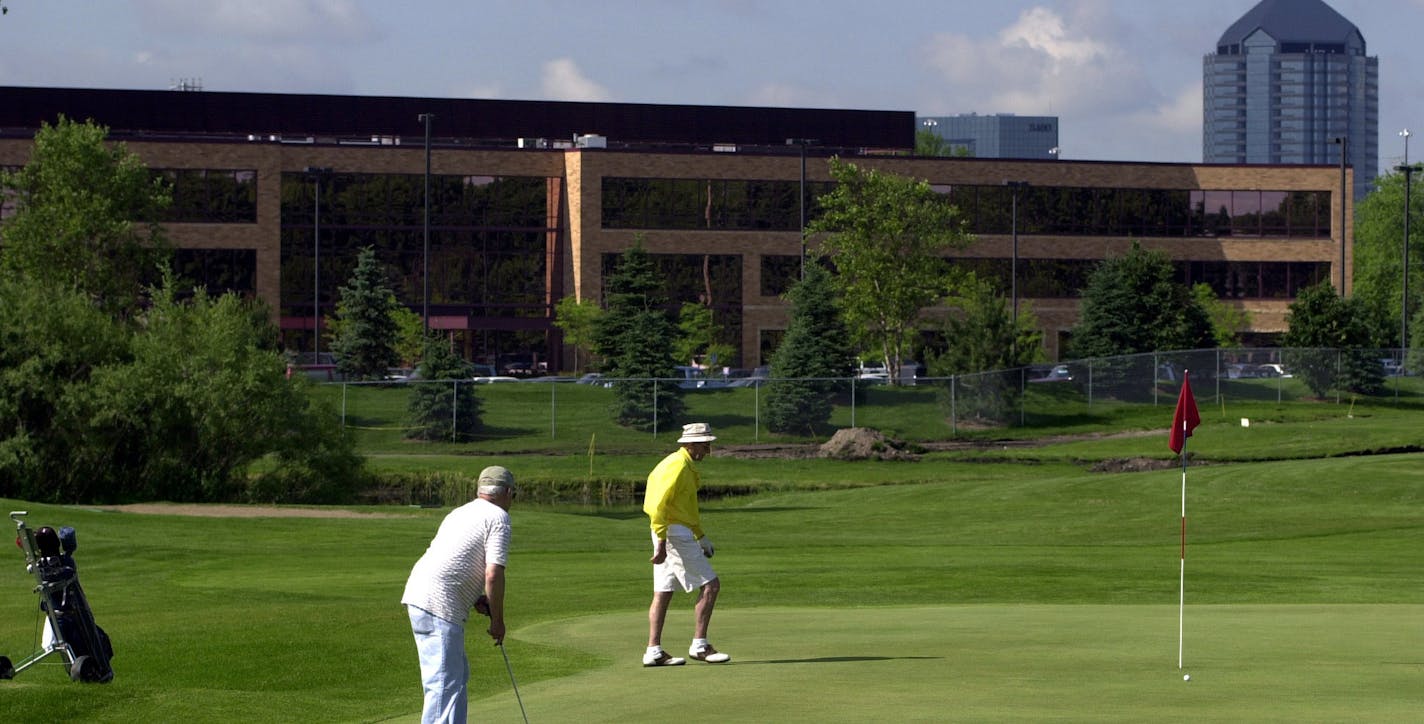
444 669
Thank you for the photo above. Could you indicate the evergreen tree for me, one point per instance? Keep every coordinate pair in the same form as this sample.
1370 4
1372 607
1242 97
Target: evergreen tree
635 338
814 347
984 345
443 404
365 348
1132 305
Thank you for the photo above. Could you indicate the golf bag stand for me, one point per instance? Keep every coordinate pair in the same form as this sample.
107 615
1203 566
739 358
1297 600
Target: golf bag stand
69 627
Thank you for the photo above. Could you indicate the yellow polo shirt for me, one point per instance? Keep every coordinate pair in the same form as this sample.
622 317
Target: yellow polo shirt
672 494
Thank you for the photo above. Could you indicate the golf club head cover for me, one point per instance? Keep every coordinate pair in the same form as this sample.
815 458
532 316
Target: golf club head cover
482 605
706 544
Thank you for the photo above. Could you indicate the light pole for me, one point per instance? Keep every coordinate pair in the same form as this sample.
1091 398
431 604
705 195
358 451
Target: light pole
1405 134
1408 171
1014 188
317 173
802 143
1344 143
425 256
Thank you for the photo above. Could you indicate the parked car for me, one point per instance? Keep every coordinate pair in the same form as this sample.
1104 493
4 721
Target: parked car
1058 373
490 380
1271 369
696 378
873 372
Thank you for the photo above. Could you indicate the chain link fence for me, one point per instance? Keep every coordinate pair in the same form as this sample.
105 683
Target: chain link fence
563 412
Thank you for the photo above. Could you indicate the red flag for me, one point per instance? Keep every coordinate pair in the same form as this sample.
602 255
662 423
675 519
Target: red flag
1186 417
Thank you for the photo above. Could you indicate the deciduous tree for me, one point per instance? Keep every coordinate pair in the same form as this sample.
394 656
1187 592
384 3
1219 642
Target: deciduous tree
1332 342
86 218
886 235
578 320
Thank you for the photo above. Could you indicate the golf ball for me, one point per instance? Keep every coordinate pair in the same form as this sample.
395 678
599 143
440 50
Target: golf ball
1186 677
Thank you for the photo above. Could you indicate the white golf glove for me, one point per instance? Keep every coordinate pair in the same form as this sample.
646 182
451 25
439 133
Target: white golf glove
706 544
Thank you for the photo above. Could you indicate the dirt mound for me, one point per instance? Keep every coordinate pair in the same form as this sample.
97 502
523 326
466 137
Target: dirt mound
1132 465
864 443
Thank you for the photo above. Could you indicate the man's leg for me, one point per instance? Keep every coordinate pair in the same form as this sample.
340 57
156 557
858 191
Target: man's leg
444 669
657 614
706 601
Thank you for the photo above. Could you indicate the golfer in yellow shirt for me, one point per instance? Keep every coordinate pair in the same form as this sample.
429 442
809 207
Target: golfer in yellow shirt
680 548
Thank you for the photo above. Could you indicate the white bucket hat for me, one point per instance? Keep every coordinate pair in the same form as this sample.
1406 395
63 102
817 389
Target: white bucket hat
697 432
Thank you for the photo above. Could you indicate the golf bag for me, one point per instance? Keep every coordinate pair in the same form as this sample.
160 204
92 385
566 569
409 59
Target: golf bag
69 627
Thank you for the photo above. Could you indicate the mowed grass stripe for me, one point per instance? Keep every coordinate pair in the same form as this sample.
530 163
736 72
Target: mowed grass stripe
997 663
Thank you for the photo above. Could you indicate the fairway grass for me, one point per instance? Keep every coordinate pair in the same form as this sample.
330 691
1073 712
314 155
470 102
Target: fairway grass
983 663
941 592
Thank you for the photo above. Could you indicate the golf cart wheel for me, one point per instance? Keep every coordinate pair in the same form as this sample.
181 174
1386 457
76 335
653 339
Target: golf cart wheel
84 669
7 669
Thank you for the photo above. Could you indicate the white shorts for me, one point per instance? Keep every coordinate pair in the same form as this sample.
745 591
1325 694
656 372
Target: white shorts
685 565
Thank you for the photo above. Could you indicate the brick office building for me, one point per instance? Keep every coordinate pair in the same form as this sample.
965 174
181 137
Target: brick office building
532 201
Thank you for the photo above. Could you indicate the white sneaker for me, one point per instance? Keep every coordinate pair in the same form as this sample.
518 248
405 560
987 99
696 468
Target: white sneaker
662 658
709 655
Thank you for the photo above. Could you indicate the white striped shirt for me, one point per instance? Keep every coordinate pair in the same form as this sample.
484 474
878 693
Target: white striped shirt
450 576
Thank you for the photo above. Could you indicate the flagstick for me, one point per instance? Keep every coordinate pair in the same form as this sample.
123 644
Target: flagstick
1182 578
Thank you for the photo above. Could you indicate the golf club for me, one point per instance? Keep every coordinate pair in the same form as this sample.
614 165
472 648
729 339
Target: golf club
510 669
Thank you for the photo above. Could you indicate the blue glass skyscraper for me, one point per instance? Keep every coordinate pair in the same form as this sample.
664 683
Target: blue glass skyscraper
1287 79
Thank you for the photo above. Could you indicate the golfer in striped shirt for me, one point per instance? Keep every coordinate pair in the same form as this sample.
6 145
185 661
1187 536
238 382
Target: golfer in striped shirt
462 569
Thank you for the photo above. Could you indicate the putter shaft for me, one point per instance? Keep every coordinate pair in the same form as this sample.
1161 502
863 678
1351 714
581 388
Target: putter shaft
512 683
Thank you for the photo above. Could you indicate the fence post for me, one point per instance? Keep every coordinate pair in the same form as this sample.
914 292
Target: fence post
454 411
1090 383
953 408
1338 356
852 402
1154 379
655 408
553 410
756 413
1023 393
343 405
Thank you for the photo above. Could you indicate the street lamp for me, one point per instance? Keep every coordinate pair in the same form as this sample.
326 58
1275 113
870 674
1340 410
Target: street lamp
1015 187
1344 143
317 173
425 257
1408 171
802 143
1405 134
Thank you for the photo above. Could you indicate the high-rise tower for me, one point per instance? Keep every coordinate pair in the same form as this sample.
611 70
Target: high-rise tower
1286 81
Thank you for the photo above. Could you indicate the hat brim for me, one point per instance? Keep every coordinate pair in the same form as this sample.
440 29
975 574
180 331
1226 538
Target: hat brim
696 438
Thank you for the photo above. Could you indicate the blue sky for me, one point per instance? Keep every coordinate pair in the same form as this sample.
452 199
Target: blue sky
1124 76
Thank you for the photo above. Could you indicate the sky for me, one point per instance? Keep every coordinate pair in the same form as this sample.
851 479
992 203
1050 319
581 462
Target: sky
1123 76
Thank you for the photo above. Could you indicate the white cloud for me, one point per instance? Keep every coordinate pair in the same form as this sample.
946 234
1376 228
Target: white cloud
1043 63
563 81
783 95
1181 113
263 21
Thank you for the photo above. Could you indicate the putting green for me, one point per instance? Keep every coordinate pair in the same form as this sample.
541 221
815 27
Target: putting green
991 663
